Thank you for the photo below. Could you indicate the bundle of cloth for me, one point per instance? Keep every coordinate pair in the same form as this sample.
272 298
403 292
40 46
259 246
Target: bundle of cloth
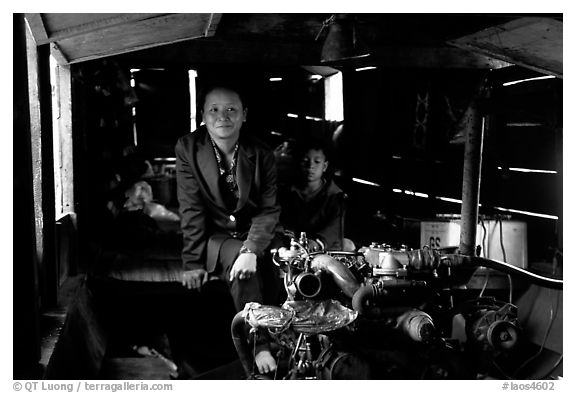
139 197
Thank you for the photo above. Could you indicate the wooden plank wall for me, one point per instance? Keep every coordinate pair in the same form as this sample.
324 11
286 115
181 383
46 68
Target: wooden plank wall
26 340
382 109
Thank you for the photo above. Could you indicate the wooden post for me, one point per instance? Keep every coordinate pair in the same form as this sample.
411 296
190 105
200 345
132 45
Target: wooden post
64 174
474 127
26 336
43 168
64 179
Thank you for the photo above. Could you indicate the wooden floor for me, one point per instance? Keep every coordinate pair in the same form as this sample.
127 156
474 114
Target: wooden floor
52 320
116 329
143 368
125 302
136 368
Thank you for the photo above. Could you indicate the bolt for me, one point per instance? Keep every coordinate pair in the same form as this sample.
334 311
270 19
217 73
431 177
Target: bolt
504 336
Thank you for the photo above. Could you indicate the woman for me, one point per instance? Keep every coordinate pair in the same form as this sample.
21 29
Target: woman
226 187
314 204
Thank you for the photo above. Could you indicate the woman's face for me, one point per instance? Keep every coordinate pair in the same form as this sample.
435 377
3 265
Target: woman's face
223 113
313 165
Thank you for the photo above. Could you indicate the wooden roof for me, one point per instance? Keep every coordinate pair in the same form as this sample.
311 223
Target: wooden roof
394 40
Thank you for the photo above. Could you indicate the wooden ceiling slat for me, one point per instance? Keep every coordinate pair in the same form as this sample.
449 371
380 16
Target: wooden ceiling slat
429 57
212 25
100 24
240 52
136 35
290 39
61 21
534 43
37 28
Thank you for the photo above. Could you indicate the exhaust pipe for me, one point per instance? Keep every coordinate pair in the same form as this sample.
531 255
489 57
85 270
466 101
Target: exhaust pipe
341 275
308 284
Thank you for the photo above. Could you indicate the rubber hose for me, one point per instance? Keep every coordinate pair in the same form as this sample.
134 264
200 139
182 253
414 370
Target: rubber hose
511 269
238 330
360 296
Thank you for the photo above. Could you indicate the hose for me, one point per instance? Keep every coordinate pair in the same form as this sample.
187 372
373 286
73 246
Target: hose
341 275
543 281
360 296
238 330
431 260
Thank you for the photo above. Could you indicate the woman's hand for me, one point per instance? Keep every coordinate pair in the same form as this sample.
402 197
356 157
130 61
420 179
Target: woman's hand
194 279
244 267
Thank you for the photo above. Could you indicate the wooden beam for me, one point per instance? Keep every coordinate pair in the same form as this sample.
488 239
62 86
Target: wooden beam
50 291
135 36
320 70
36 145
427 57
214 50
125 50
37 28
65 177
26 325
40 93
534 43
212 25
57 54
96 25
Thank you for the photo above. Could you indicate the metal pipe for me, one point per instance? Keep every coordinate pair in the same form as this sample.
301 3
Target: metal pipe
474 124
341 275
461 261
546 282
361 295
308 284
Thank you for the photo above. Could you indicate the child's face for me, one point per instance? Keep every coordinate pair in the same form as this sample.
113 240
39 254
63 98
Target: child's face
313 165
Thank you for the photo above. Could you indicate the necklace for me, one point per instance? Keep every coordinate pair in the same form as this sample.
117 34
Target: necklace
229 174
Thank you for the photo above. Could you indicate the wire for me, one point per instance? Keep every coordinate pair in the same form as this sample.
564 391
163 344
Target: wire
301 247
295 352
484 232
510 286
502 243
504 259
537 279
485 283
325 24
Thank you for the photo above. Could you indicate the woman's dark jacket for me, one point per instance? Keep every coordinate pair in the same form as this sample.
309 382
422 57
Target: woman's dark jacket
202 208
